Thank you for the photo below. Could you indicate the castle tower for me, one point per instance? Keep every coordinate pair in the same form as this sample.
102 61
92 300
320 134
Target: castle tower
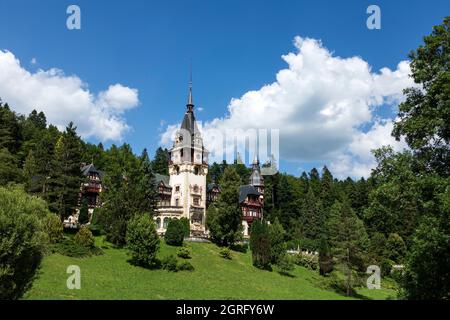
187 169
256 179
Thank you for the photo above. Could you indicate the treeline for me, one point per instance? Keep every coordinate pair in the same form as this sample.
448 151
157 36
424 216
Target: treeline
47 161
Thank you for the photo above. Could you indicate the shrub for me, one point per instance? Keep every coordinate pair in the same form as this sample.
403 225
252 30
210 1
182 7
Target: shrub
174 234
169 263
240 247
96 230
142 240
84 237
337 281
186 226
307 261
184 253
21 242
225 253
386 267
53 228
285 264
185 266
68 247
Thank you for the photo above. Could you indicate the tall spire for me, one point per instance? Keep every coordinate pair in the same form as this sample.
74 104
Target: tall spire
190 104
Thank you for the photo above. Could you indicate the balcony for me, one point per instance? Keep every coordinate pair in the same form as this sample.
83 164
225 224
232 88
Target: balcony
92 187
252 203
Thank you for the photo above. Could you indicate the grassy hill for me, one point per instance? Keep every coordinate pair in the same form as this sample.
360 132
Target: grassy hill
110 276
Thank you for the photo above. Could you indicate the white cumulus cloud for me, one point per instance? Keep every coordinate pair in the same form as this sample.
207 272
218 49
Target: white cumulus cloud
319 103
66 98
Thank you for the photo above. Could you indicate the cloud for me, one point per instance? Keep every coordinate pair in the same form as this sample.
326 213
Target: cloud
320 103
33 61
66 98
357 160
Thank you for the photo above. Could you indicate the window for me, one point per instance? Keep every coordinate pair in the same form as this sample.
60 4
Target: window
158 223
176 202
196 170
165 223
196 201
177 188
196 188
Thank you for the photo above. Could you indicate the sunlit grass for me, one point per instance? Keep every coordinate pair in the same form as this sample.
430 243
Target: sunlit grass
111 276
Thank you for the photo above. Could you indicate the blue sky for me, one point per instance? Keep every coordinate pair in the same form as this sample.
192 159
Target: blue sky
235 47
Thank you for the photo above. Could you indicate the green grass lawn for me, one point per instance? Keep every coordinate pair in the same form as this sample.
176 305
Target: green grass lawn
110 276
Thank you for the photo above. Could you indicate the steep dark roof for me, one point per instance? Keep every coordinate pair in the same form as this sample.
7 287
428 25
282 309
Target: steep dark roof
256 178
246 190
89 168
210 186
189 122
160 177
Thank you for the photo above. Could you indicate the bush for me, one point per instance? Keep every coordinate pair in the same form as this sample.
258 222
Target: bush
386 267
68 247
337 281
84 237
185 266
184 253
307 261
285 264
22 240
96 230
186 226
53 228
225 253
240 247
142 240
169 263
175 233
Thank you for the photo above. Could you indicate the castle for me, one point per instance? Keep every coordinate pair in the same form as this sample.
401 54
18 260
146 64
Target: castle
185 194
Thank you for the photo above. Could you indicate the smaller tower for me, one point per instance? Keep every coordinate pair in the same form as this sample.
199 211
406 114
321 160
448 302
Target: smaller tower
256 178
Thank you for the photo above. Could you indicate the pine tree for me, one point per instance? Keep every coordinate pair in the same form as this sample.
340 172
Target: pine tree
327 189
348 239
83 216
312 219
10 133
260 244
64 185
130 191
161 161
9 172
224 217
277 243
30 173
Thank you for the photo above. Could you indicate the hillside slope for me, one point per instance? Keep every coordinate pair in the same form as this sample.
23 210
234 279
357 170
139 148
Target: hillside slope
110 276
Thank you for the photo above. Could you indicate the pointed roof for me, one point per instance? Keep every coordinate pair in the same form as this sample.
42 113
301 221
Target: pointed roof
89 168
189 122
162 178
245 191
256 179
190 103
